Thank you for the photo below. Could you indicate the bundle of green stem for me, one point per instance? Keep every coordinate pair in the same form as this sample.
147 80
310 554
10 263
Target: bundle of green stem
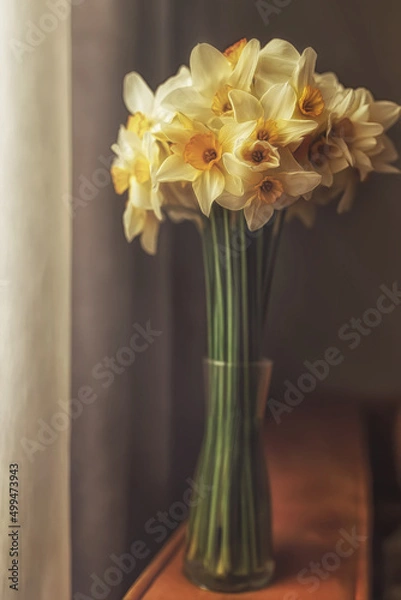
229 534
239 267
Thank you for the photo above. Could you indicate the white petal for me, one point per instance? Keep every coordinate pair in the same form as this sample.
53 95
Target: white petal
244 70
279 53
300 182
189 101
386 113
175 169
156 199
362 163
385 168
327 175
128 140
279 102
233 185
231 202
180 80
338 164
386 150
257 214
288 162
240 169
150 233
284 201
305 69
294 130
137 94
277 60
133 221
246 107
176 134
364 96
150 148
209 68
367 129
208 187
344 103
233 133
139 194
344 148
367 144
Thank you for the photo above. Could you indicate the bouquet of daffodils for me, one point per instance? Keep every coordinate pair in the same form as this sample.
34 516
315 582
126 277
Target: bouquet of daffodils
238 138
250 130
234 143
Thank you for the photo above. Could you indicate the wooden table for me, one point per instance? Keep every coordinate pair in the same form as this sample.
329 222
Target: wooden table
320 480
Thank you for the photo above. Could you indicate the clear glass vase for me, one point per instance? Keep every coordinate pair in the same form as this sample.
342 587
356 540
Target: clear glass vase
229 537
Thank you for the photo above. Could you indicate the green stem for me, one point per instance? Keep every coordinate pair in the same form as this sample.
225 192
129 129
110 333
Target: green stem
229 392
248 505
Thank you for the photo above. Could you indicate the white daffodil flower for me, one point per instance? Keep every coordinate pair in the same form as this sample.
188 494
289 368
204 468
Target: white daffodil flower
134 170
349 140
266 192
273 115
258 155
214 75
197 153
135 167
146 107
252 129
353 137
315 93
276 64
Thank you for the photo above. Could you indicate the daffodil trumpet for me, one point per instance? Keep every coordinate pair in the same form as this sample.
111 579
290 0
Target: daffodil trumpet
237 142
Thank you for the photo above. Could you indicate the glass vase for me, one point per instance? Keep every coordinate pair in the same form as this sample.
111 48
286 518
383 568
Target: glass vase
229 541
229 538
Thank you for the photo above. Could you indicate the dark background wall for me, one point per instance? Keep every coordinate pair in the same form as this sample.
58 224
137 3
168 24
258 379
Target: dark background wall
135 446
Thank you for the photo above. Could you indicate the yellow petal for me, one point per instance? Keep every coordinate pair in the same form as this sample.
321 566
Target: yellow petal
141 170
120 177
233 53
139 124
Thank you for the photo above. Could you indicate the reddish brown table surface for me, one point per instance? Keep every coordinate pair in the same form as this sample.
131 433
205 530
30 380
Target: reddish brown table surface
320 481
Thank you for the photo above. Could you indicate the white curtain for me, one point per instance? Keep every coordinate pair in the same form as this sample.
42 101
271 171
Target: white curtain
35 296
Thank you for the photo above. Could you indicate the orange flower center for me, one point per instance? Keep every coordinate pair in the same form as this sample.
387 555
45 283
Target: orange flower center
232 53
202 151
256 153
221 104
267 131
311 103
209 155
269 190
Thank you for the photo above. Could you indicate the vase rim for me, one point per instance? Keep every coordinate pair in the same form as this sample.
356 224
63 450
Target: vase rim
263 362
